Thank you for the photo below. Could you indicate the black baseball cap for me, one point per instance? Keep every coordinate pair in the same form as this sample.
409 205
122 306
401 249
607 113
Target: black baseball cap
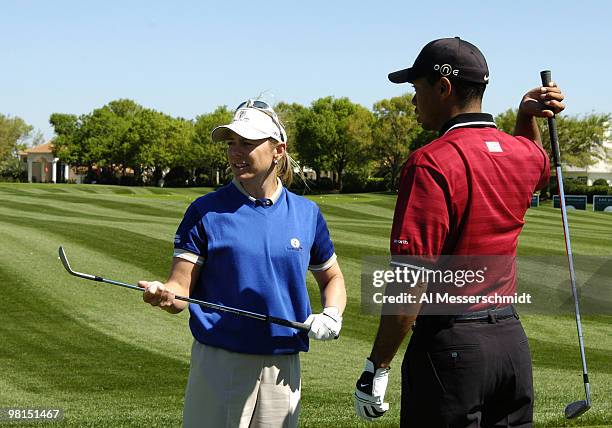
453 58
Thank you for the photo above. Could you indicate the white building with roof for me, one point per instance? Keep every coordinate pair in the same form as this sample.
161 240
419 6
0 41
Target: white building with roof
43 166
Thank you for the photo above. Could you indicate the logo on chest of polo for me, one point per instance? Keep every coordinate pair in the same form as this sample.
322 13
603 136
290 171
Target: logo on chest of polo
294 245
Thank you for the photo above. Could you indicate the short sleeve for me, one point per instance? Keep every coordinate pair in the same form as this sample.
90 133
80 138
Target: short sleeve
545 177
543 158
422 214
322 255
190 241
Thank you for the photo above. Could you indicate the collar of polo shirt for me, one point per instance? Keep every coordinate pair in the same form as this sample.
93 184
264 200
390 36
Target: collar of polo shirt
468 120
273 199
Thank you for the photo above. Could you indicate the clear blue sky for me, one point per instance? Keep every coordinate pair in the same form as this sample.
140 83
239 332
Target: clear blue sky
187 57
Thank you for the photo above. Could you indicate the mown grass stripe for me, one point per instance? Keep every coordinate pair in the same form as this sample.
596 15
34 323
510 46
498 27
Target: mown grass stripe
141 250
37 209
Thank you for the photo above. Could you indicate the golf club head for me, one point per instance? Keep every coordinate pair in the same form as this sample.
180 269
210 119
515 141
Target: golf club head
575 409
64 260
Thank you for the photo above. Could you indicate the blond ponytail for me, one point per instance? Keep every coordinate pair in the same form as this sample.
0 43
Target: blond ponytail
284 169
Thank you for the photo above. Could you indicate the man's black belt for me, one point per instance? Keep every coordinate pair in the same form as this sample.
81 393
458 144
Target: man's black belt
487 315
433 323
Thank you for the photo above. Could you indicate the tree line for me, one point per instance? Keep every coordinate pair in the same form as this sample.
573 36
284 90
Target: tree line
123 142
15 135
131 144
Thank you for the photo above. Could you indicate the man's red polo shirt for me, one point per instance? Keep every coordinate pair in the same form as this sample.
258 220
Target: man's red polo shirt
467 192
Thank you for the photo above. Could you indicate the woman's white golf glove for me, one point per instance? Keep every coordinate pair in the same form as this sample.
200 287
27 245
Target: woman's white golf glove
326 325
370 392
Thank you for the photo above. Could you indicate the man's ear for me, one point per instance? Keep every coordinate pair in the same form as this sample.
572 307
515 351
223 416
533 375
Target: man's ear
445 87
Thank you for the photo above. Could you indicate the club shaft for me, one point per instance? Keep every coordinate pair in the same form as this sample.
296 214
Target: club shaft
241 312
554 140
572 272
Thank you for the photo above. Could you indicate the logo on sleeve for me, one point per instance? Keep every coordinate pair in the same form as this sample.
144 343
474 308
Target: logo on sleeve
177 239
400 241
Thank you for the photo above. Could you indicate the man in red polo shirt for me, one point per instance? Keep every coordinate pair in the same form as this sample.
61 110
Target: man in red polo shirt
464 194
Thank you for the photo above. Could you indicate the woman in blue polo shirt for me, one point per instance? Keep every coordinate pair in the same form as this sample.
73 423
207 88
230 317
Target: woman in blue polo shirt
249 245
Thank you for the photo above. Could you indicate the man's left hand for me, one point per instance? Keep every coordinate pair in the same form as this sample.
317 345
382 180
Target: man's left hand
370 392
543 101
326 325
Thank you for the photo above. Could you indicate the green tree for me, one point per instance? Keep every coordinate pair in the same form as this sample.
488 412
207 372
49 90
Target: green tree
584 138
14 133
100 138
581 138
314 129
66 142
394 130
161 139
122 135
99 132
335 134
204 154
289 114
124 146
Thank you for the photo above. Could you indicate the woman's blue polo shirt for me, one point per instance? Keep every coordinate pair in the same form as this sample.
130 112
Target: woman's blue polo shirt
255 255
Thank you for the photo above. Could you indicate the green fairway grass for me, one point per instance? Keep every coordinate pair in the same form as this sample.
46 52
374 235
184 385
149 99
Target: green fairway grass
107 359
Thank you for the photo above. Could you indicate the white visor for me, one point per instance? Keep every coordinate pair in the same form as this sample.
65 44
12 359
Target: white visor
249 123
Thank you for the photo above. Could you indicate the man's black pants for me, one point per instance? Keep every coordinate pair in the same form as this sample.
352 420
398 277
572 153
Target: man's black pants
467 374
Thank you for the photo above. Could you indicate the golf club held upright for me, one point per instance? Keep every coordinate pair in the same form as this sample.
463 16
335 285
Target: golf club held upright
576 408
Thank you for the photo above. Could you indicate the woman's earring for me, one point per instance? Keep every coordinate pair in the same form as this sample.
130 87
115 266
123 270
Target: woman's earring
275 161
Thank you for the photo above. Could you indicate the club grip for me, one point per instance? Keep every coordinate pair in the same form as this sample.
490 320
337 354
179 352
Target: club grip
293 324
546 76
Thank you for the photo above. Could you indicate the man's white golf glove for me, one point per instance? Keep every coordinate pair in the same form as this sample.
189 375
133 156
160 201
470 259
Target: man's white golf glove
370 392
326 325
